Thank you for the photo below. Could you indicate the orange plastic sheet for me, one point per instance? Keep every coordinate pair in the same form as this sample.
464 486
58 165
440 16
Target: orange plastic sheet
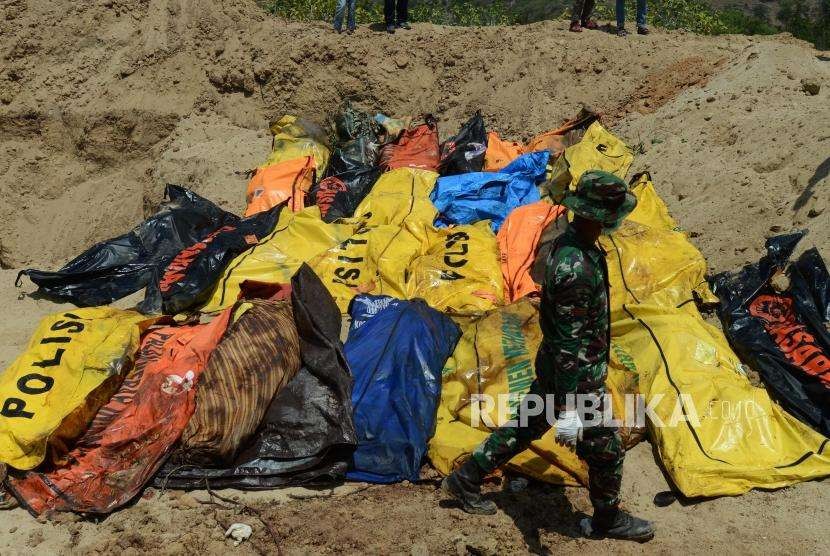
569 133
501 152
518 240
275 184
130 435
417 147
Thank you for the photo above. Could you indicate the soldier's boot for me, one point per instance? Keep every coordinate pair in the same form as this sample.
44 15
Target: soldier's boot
464 484
618 524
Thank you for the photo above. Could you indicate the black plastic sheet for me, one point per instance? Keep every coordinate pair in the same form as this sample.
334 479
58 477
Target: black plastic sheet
352 123
125 264
352 169
775 314
189 279
465 152
307 435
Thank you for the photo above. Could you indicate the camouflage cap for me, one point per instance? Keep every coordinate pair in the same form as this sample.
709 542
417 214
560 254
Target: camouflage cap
602 197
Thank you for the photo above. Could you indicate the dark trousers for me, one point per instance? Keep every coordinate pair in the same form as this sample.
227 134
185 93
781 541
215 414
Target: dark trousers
601 448
642 11
396 14
581 10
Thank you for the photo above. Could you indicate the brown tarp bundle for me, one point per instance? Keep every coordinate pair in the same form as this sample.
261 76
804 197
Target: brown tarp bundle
257 357
307 434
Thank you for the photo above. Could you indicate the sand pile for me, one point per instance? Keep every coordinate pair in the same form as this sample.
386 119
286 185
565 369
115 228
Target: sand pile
103 102
119 98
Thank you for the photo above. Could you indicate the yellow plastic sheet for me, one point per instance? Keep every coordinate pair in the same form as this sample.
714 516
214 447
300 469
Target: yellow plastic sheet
297 238
374 260
651 210
459 270
399 197
599 149
294 138
725 436
73 364
649 260
495 356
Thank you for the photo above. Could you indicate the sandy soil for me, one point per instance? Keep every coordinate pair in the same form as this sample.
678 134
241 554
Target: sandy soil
103 102
409 518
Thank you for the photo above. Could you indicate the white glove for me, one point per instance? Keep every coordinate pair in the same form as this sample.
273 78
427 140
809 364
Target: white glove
568 428
239 532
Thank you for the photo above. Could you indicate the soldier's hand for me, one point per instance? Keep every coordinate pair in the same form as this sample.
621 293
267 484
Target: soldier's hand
568 428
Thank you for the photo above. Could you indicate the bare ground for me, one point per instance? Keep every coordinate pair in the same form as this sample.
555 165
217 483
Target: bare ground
103 102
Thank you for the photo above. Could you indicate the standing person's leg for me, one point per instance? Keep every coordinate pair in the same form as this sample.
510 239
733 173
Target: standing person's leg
389 15
642 12
587 11
576 15
339 10
403 14
464 484
620 15
603 451
352 9
505 442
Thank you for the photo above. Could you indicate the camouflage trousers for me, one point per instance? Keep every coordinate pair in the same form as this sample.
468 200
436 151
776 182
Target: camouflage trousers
601 448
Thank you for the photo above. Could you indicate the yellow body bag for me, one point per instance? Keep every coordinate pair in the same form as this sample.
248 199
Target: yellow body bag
399 197
459 269
74 362
717 434
496 355
374 260
294 138
599 149
651 210
297 238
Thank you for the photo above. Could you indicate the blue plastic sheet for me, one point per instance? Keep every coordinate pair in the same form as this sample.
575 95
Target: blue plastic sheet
396 357
364 307
469 198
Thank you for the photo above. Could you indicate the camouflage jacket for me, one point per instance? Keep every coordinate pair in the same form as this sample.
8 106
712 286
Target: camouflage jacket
575 318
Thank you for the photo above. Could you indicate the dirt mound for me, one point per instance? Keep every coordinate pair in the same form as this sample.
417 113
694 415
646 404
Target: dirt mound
103 102
120 97
746 155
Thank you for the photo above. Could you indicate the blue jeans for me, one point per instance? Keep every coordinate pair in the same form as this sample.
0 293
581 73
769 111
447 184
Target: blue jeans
642 10
339 11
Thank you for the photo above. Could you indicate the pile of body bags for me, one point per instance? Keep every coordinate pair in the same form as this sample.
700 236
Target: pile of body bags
427 257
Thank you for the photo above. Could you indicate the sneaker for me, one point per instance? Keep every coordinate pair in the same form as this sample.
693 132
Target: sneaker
575 27
621 32
590 24
350 31
338 31
404 25
617 524
643 31
390 29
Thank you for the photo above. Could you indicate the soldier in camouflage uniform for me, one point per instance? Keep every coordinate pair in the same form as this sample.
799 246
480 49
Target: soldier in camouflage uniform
572 359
